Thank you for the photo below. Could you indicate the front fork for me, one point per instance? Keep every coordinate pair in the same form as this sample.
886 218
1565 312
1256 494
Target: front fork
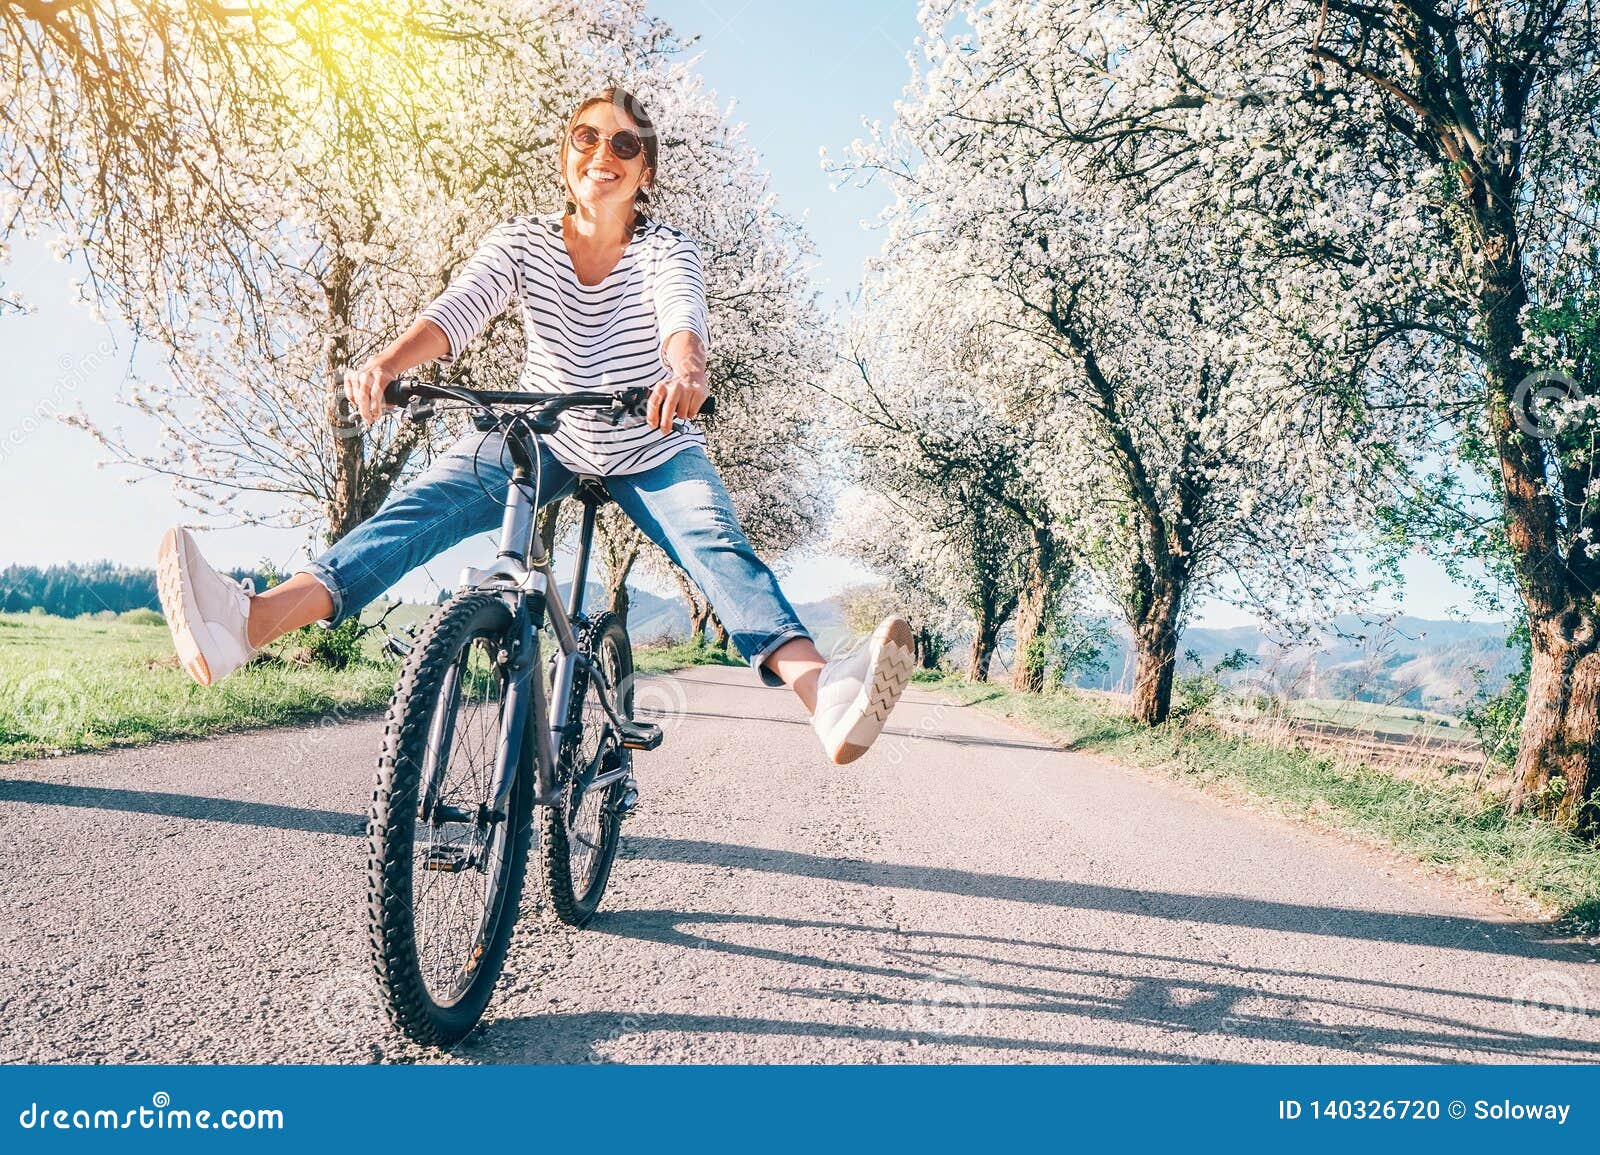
528 738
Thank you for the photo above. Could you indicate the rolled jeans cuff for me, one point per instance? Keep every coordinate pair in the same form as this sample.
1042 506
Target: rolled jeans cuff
758 659
330 582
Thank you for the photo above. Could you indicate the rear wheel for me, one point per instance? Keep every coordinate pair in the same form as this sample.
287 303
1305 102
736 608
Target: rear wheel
582 830
444 874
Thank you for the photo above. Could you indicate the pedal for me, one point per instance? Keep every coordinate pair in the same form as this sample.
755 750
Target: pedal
446 859
640 735
628 801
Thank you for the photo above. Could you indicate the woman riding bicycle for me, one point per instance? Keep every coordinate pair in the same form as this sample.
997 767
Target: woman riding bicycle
607 295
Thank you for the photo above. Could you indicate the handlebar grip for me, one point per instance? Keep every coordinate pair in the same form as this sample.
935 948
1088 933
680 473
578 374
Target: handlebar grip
397 392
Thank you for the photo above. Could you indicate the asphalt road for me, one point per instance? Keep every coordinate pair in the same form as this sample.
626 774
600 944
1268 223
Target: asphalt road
964 893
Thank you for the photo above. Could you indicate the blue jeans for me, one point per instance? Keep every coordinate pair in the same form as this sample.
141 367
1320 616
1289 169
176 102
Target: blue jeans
681 505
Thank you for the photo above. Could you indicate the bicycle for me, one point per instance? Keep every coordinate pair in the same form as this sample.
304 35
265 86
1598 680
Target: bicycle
471 751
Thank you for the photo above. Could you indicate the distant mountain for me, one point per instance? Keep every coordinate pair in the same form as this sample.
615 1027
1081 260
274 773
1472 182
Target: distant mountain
651 617
1436 664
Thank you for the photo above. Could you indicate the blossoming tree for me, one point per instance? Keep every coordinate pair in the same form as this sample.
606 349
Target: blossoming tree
1438 160
1215 448
941 421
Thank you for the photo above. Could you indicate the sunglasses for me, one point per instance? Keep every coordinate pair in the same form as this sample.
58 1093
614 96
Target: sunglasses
625 145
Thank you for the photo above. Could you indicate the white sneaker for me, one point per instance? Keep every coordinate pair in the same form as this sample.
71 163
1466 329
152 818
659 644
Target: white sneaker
205 611
855 693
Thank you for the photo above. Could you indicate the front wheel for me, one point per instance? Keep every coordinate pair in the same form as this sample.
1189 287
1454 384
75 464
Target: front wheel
444 873
582 830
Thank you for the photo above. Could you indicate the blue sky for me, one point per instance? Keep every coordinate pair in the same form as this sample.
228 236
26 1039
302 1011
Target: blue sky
802 77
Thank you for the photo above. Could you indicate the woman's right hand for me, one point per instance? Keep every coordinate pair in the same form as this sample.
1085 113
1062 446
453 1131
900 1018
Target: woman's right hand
364 387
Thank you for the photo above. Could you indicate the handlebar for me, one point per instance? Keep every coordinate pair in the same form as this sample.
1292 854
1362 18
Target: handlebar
415 396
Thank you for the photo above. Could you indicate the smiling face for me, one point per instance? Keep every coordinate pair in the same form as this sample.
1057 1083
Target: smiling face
599 179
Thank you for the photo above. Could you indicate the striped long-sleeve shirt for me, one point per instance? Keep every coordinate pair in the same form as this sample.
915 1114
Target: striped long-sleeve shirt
585 337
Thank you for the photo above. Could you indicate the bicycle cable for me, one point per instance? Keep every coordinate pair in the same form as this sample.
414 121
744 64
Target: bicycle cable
504 434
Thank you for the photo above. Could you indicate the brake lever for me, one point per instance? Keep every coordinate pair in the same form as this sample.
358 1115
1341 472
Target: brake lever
620 408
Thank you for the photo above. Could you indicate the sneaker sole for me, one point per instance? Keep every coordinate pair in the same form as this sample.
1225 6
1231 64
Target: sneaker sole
891 671
173 589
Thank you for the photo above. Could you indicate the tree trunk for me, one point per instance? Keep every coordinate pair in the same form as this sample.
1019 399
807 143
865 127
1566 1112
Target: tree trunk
362 477
1560 727
617 581
699 608
549 519
719 633
1559 733
1158 603
1156 657
1027 673
1043 579
344 507
928 653
985 635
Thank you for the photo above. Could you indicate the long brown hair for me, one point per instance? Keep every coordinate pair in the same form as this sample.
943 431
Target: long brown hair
632 107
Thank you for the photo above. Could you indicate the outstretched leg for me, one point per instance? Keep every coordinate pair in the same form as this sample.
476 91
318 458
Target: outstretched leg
217 624
684 508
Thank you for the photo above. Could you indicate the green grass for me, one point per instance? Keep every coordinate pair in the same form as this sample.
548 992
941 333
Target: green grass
73 684
1457 828
663 659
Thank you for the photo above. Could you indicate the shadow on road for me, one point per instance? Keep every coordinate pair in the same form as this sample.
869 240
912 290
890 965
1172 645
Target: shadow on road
1518 939
194 806
1087 983
922 735
574 1038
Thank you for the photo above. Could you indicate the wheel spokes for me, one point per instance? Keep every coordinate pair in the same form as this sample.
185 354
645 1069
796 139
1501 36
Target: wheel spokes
459 852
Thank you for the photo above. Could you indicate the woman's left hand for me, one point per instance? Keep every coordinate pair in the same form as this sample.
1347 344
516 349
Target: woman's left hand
682 394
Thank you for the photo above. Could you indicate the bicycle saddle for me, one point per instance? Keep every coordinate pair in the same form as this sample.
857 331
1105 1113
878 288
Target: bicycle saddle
592 490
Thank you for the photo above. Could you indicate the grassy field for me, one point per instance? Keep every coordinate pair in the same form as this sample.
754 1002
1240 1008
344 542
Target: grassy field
1463 830
1396 721
75 684
70 684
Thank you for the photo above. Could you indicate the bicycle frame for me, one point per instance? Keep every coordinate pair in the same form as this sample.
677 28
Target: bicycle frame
523 572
